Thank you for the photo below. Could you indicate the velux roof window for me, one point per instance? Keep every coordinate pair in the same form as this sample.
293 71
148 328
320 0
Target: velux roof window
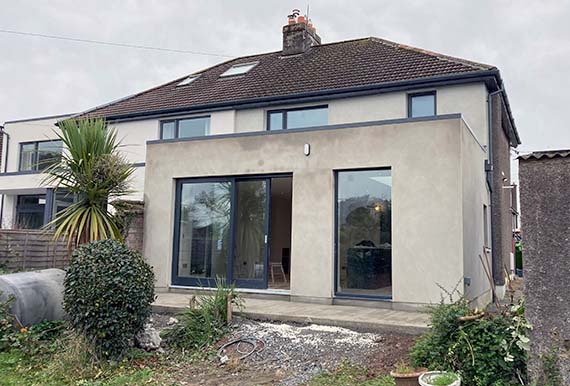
188 80
239 69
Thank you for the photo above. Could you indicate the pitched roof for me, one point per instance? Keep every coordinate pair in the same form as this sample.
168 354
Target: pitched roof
334 66
545 154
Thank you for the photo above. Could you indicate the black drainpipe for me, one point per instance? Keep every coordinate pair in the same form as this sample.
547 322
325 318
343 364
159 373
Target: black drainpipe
489 170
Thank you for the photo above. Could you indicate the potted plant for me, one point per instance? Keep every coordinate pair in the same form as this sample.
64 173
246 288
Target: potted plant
405 375
440 378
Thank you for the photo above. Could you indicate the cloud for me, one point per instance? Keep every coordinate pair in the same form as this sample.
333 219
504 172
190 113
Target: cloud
527 41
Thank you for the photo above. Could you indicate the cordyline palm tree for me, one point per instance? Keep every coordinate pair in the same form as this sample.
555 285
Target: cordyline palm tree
91 169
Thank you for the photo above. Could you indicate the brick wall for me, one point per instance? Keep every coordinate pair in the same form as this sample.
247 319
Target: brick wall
545 214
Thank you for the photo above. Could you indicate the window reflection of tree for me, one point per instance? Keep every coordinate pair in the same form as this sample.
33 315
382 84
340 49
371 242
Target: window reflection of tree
250 231
208 210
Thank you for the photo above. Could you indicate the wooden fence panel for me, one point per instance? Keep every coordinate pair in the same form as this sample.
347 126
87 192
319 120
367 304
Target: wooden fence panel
26 249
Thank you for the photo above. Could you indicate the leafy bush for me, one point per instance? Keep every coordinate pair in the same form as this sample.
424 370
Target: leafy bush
108 294
205 324
491 350
7 320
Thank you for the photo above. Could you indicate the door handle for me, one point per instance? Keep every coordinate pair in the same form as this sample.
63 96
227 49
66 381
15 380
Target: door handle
265 239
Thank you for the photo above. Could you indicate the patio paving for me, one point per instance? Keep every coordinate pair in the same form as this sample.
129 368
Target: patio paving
354 317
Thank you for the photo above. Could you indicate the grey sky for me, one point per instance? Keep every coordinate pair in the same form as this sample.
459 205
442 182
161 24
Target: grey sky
527 40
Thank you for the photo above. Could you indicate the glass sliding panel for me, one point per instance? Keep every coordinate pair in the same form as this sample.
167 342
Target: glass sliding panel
297 119
364 232
49 153
27 156
422 105
250 230
61 200
195 127
204 230
30 211
276 120
168 130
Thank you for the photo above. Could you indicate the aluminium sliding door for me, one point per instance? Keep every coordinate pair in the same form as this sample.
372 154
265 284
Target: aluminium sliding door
202 232
221 232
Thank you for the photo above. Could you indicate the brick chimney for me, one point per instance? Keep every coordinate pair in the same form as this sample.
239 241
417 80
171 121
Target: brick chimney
299 35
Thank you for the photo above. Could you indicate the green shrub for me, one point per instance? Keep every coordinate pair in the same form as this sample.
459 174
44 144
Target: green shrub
7 320
487 351
108 294
205 324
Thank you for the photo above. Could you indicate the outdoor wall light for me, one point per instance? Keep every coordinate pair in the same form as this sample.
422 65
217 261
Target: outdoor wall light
307 149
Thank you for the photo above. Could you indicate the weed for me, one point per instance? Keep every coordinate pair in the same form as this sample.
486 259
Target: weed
205 324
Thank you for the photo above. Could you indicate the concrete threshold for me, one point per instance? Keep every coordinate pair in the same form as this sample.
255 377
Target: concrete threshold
353 317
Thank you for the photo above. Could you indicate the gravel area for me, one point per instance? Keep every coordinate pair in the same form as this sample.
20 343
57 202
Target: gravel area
301 351
291 354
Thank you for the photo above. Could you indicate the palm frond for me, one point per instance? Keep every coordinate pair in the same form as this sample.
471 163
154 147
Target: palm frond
92 169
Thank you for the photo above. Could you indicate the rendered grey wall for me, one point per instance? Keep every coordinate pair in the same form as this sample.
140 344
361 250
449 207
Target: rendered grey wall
545 211
501 219
427 197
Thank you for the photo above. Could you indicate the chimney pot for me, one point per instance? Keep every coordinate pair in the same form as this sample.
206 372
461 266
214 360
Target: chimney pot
299 36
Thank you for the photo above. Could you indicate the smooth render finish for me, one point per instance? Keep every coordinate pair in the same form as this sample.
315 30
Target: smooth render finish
426 157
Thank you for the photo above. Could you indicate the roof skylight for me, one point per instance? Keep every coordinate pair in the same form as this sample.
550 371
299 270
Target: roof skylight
188 80
239 69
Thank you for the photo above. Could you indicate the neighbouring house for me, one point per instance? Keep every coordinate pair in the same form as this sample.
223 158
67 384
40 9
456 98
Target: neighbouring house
31 145
361 171
545 208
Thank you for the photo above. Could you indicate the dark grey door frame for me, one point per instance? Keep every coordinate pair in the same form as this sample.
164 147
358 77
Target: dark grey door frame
211 282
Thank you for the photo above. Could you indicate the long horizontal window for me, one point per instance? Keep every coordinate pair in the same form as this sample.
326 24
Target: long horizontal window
39 155
297 118
185 128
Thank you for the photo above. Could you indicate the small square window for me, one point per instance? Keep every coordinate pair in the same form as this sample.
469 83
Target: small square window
421 105
239 69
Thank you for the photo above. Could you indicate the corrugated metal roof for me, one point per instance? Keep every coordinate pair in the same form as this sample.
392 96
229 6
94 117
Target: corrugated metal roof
545 154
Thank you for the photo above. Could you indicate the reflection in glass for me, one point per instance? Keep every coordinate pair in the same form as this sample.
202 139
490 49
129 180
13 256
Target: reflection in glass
27 156
204 229
251 217
194 127
364 213
49 153
276 120
30 211
422 105
168 130
297 119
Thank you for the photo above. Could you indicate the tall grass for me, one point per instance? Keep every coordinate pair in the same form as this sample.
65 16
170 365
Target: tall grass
206 323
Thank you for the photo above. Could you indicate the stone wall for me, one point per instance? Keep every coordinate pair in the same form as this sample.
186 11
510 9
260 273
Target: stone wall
545 218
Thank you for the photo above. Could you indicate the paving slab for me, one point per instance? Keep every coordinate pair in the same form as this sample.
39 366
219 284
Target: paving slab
355 317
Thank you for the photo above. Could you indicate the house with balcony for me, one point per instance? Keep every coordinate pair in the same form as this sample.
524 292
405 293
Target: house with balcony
357 171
